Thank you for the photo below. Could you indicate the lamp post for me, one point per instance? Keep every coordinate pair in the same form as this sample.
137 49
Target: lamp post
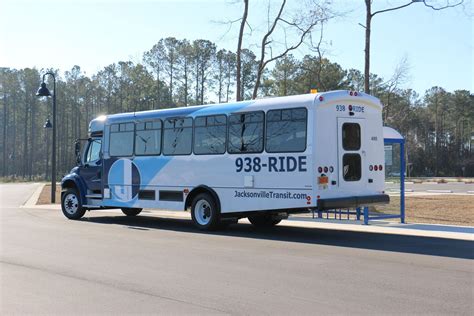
43 91
4 166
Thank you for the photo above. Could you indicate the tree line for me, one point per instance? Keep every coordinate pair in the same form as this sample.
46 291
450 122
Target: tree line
437 125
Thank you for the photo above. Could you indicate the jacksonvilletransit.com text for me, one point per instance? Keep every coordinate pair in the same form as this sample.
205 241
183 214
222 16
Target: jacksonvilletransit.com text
270 195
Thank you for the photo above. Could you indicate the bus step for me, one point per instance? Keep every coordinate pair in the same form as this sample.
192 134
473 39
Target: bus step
91 206
94 196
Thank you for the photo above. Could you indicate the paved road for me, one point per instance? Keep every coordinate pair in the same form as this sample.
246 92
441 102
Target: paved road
455 187
111 264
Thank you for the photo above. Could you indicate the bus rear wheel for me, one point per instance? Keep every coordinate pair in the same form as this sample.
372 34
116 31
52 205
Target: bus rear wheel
204 212
264 220
131 211
71 204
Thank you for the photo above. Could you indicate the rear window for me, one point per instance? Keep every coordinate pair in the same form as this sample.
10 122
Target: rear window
351 136
352 167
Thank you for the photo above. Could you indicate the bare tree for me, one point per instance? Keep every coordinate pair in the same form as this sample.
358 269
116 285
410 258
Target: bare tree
239 47
399 77
302 24
368 27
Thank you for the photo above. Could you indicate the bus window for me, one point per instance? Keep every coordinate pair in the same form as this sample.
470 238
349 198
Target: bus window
121 139
210 134
177 136
352 167
351 136
93 152
246 133
148 138
286 130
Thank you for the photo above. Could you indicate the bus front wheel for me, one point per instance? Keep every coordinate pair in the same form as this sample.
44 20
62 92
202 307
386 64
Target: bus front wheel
204 212
131 211
264 220
71 204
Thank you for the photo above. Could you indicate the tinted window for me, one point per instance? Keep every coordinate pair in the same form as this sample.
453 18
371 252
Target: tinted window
352 167
246 133
177 136
148 138
351 136
210 134
121 139
286 130
93 153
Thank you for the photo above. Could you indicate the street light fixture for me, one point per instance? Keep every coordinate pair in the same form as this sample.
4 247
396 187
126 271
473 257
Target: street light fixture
43 91
48 124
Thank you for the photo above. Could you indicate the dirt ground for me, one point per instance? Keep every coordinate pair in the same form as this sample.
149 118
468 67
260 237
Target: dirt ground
434 209
45 196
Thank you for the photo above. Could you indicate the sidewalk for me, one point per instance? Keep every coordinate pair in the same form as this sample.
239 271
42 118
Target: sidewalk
305 221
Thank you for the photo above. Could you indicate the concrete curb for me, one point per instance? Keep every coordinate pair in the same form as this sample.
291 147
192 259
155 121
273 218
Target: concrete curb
378 227
440 191
31 202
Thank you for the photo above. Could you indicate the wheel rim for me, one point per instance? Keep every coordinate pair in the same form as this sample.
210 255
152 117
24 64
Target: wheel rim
71 203
202 212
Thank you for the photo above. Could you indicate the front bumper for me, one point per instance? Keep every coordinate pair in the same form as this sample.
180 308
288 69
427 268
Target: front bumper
352 201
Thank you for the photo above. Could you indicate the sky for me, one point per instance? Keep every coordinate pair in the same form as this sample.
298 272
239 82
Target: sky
437 45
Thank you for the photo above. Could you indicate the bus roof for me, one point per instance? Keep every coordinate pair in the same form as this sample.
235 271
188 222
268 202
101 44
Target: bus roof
226 108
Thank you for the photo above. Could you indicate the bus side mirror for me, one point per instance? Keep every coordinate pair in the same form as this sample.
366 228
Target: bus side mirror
77 150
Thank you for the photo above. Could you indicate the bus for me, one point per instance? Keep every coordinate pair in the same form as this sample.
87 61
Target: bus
261 159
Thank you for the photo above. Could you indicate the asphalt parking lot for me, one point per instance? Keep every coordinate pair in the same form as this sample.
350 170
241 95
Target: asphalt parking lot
451 187
108 263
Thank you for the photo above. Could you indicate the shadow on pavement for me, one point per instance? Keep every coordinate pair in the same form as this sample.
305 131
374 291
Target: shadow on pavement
374 241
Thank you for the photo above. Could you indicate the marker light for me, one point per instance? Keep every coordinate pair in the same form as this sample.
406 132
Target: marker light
350 93
371 167
355 93
313 91
326 169
376 167
321 98
331 169
320 169
350 107
380 167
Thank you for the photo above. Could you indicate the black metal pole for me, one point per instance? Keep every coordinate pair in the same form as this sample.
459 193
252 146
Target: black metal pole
53 151
4 167
53 161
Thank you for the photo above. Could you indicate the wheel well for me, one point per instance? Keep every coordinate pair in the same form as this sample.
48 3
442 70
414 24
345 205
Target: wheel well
69 184
199 190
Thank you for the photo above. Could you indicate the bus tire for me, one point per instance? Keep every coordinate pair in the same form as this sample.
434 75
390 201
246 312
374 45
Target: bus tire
71 204
131 211
264 220
204 212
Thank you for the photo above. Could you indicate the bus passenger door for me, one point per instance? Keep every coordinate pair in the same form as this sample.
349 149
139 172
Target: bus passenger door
91 166
351 153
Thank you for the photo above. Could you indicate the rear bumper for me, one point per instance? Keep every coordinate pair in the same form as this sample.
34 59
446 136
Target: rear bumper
352 201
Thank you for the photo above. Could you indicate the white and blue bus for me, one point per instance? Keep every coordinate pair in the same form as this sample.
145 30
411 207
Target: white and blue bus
260 159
